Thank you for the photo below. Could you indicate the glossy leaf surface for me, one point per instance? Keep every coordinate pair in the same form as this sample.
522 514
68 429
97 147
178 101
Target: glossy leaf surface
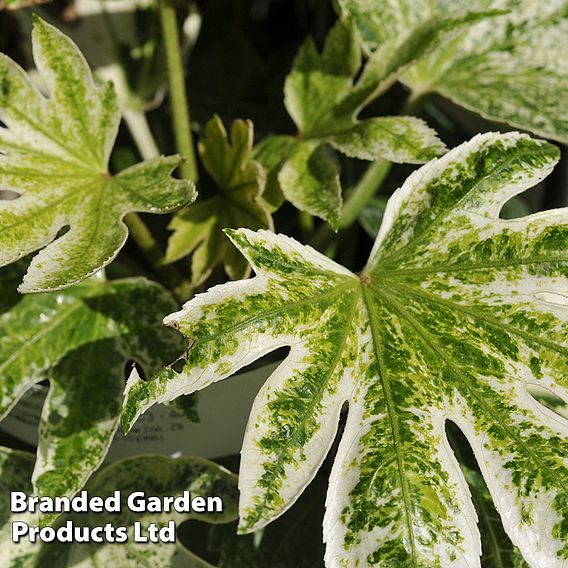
324 102
510 68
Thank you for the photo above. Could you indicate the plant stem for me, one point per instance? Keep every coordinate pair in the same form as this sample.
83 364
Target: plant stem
178 94
148 245
139 231
141 133
306 223
368 185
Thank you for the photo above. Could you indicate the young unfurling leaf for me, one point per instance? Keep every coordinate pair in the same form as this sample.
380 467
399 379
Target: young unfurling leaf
511 68
158 476
54 152
240 181
80 340
455 314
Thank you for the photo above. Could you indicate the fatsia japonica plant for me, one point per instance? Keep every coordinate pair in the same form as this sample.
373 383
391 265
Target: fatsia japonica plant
413 413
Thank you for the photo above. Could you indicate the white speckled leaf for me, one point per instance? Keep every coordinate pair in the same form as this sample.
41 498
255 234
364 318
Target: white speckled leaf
240 181
155 475
54 152
80 340
455 314
511 68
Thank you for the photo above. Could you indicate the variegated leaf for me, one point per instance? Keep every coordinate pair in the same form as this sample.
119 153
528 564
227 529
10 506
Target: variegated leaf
54 152
240 181
510 69
15 471
80 340
158 476
455 314
324 103
272 152
324 100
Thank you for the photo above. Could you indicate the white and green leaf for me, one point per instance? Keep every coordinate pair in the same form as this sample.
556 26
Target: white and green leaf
310 181
271 153
324 102
324 99
158 476
240 181
455 314
510 68
80 340
54 153
16 468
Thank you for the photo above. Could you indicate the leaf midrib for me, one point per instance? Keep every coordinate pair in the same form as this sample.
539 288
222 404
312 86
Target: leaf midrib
393 420
434 269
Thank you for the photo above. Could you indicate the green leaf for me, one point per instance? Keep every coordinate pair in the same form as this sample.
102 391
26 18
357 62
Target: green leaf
80 340
378 21
318 82
510 68
303 177
323 101
456 312
54 153
240 181
15 471
271 153
395 138
158 476
19 4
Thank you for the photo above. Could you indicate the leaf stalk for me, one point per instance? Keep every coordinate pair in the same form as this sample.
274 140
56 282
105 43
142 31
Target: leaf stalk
178 93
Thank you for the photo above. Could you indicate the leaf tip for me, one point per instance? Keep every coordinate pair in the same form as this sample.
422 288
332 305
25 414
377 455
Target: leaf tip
130 408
